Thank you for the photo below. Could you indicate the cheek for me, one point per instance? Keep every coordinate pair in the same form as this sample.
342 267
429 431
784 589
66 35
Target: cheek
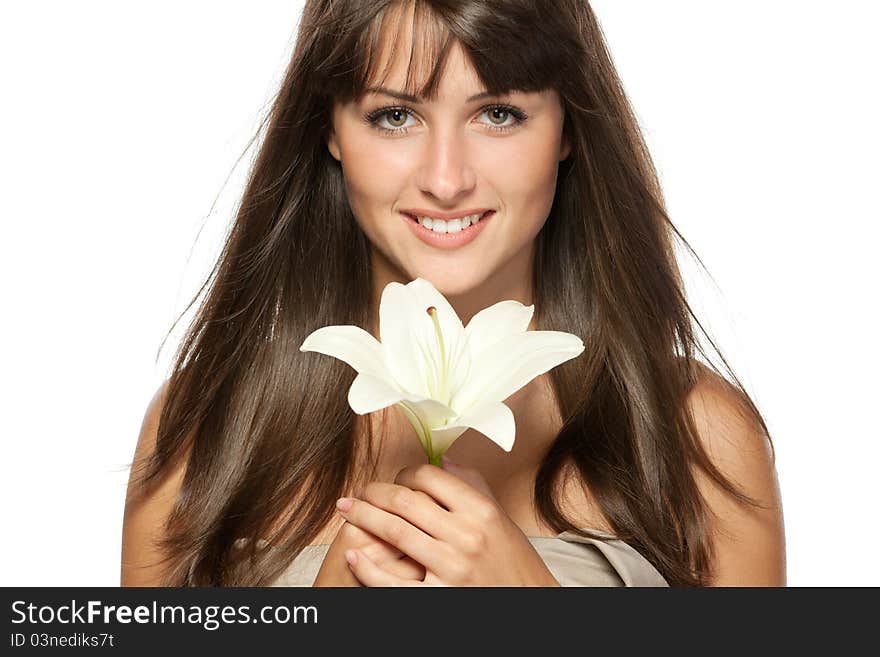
525 177
374 176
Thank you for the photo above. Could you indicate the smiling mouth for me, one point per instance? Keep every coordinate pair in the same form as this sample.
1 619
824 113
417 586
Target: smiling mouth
448 241
441 227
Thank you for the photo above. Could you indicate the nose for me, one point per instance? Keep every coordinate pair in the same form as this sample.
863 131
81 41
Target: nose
445 173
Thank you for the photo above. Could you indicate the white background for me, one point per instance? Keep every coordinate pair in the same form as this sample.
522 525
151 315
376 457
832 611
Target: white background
120 124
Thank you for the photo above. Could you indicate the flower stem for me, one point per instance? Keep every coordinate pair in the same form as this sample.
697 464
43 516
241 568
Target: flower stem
423 433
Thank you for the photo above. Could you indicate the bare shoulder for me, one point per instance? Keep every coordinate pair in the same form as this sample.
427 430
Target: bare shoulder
727 428
748 542
146 510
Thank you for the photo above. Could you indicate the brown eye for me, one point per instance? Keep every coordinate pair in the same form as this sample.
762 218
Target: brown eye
498 113
395 115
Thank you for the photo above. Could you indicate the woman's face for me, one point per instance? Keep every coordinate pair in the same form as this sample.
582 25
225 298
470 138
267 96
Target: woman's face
453 156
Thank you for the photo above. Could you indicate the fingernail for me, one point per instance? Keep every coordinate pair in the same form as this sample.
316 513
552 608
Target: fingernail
351 557
344 503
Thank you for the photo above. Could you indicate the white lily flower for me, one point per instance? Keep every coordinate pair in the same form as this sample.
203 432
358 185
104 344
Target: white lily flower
446 378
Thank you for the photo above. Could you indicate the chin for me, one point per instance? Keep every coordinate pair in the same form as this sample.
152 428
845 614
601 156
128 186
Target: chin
451 283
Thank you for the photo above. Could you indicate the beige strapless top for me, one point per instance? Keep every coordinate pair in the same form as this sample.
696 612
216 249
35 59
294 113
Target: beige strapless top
574 561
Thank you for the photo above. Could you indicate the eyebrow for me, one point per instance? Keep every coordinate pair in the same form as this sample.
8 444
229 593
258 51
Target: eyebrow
416 99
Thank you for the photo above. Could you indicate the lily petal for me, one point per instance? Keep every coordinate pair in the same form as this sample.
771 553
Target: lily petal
417 424
499 321
424 295
407 340
493 420
369 393
433 413
511 363
442 439
350 344
424 415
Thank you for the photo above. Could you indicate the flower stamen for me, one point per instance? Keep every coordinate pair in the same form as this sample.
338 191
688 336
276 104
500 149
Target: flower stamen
432 311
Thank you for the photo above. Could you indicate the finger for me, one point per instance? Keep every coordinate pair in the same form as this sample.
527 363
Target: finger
393 529
419 509
364 540
369 574
448 489
383 554
470 475
416 507
404 567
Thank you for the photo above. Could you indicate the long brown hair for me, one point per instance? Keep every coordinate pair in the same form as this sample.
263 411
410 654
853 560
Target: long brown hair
269 435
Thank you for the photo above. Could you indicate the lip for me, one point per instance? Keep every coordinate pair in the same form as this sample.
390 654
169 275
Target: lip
448 240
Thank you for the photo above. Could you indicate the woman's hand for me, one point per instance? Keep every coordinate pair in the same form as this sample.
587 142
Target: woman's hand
447 520
335 571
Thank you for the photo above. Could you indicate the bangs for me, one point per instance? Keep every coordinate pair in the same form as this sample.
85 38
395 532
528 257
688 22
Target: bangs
430 43
506 51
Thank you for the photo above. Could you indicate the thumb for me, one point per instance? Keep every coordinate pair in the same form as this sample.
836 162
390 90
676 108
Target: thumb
471 476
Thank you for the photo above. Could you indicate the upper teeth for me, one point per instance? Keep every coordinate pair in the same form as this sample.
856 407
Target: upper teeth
453 226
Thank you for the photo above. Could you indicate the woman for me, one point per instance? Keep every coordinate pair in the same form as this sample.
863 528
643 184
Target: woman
633 464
